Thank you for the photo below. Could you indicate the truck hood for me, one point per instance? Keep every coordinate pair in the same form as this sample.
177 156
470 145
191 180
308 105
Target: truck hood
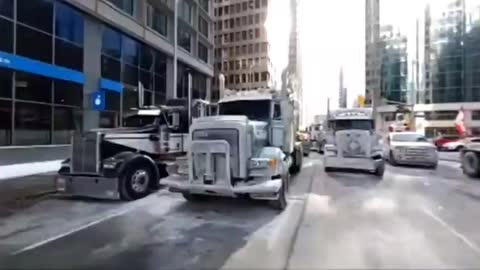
412 144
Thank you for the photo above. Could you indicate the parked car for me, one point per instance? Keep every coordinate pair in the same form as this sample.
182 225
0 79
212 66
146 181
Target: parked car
410 148
304 138
454 145
442 140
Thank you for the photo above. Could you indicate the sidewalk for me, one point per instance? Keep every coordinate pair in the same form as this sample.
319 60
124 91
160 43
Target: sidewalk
21 185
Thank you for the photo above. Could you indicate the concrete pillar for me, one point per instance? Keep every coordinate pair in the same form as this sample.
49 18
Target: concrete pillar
171 88
92 70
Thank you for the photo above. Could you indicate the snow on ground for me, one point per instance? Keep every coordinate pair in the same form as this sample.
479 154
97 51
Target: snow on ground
26 169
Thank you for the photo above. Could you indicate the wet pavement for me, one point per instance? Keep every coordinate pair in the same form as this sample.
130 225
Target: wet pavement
413 218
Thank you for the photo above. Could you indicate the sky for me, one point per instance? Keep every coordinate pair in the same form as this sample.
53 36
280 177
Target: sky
332 35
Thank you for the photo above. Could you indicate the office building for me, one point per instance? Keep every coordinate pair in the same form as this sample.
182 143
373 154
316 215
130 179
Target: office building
241 44
295 58
342 92
372 51
56 55
429 64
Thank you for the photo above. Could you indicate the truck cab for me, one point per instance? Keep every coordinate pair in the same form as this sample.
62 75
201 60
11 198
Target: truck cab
127 162
352 142
247 150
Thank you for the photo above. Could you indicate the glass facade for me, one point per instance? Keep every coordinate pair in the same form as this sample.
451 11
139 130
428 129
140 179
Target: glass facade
130 61
35 109
431 53
44 95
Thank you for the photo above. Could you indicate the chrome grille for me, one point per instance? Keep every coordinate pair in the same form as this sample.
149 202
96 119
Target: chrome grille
417 153
229 135
85 152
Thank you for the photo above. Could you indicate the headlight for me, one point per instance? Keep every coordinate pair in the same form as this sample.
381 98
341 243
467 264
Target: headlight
259 163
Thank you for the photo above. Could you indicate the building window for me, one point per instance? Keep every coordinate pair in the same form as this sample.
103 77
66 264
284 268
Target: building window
6 42
204 5
264 3
157 20
112 43
110 68
475 115
67 93
33 87
186 10
38 14
32 123
257 18
257 33
40 49
203 26
5 122
65 120
244 6
5 83
68 55
69 24
184 39
264 76
257 3
203 52
131 50
6 8
126 5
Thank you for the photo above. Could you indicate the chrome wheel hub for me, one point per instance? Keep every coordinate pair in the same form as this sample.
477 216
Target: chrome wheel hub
140 181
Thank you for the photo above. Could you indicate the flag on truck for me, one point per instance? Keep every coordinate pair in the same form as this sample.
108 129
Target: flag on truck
460 122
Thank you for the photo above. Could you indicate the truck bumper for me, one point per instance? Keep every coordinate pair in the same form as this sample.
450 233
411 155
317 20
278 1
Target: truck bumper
264 189
88 186
364 164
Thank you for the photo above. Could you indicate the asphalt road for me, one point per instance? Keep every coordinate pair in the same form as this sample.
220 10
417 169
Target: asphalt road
413 218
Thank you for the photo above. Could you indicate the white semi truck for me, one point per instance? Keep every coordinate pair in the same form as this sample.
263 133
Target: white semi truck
249 149
352 142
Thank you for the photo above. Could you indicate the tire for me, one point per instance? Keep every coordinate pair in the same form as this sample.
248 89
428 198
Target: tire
306 154
434 166
136 182
470 164
459 148
297 165
380 171
281 202
194 197
391 159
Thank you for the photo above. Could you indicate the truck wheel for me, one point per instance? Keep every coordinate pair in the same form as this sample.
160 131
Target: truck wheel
470 164
380 170
391 159
136 181
297 162
281 202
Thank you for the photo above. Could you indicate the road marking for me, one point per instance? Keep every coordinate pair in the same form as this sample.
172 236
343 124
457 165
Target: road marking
90 224
460 236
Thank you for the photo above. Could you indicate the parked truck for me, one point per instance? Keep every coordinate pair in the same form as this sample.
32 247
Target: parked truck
127 162
470 157
249 149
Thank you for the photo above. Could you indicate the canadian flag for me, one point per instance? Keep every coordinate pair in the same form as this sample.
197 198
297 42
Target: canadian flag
459 122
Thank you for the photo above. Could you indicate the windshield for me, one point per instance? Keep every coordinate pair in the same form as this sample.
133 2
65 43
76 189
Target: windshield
253 109
351 124
139 120
408 137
